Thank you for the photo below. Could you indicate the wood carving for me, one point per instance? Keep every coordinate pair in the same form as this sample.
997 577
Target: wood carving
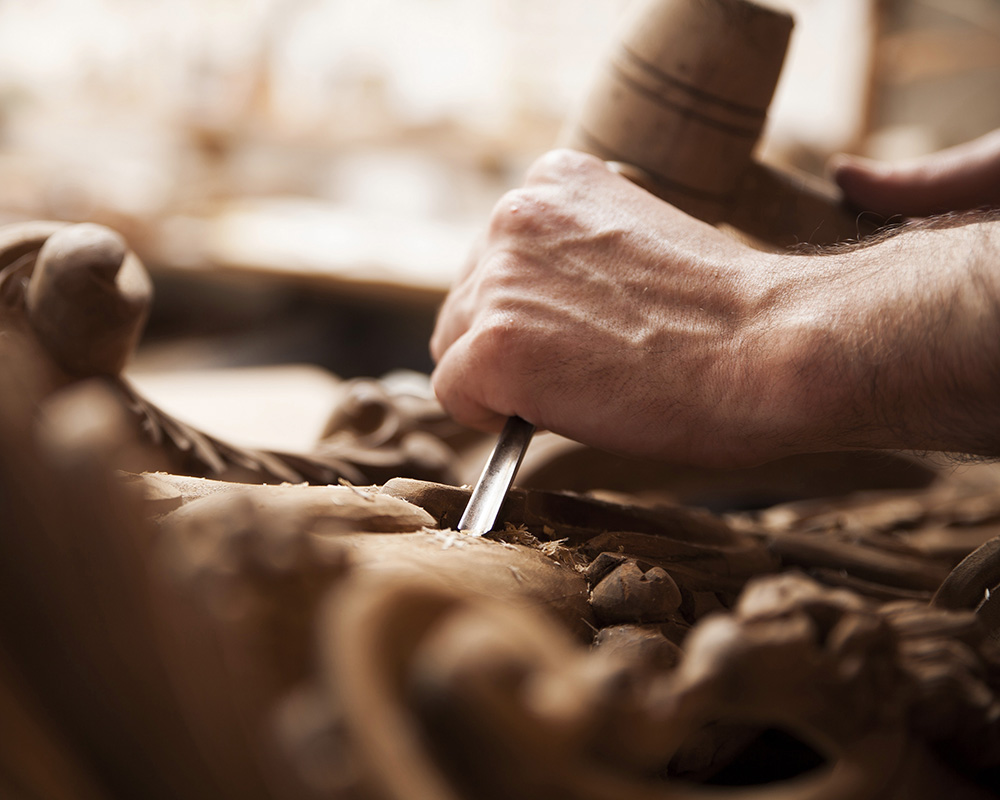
79 298
168 635
390 434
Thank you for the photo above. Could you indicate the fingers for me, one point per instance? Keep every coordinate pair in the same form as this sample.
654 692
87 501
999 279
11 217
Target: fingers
452 321
461 388
959 178
474 377
455 312
519 213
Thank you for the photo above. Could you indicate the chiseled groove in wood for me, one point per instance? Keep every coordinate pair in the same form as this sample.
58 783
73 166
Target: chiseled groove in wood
598 148
810 550
875 590
758 114
682 110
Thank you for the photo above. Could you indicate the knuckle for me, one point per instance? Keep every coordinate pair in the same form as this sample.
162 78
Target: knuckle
518 212
550 200
531 212
493 338
498 340
563 163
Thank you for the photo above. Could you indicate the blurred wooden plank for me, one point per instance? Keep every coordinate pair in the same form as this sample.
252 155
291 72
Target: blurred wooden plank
275 407
309 242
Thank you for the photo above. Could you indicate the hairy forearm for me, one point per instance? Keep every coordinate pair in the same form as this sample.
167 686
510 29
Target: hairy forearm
908 355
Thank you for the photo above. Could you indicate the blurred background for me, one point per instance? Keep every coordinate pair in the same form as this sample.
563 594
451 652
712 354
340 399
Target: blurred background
304 177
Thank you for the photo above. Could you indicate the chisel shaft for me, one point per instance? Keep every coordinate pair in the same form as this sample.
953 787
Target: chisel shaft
484 505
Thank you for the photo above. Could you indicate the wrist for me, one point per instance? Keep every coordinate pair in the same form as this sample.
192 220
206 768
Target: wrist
895 345
949 392
800 345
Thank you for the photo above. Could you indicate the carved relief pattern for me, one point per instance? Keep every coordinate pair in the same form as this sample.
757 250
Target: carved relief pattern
170 634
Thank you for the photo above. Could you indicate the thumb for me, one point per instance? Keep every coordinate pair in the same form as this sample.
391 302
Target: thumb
959 178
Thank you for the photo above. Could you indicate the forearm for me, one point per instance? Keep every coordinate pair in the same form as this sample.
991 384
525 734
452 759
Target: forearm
908 355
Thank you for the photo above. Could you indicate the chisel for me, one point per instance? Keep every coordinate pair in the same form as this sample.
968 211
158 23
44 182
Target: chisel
481 514
484 505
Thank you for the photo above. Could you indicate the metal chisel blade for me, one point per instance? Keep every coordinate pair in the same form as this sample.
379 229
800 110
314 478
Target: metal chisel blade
498 474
